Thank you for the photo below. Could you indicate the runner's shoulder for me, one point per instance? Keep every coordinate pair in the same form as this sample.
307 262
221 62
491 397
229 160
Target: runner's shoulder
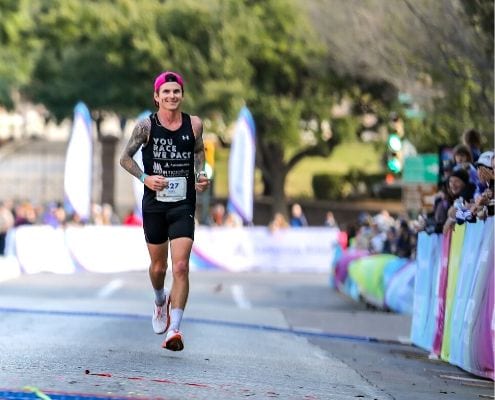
197 125
143 129
144 124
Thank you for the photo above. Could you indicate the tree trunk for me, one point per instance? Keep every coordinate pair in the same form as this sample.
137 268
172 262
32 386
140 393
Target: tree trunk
278 192
108 148
274 175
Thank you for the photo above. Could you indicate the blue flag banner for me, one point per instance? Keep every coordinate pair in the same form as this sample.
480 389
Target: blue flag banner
79 164
241 167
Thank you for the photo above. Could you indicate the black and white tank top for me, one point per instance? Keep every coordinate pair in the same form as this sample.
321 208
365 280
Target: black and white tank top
170 154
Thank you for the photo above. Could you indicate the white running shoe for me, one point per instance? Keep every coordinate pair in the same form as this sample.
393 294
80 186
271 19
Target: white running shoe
161 317
174 341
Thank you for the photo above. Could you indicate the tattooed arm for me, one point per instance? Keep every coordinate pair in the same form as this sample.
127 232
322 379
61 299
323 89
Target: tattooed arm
199 148
202 181
139 137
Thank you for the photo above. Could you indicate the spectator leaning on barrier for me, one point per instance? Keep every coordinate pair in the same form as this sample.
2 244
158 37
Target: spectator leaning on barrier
233 220
132 219
460 192
297 218
457 186
406 241
377 239
462 159
108 215
390 243
25 214
483 198
278 222
217 215
330 221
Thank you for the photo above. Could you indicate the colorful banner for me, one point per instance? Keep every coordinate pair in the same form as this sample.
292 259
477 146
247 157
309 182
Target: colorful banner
341 269
440 293
259 248
241 167
367 273
428 262
466 329
465 280
477 337
449 289
78 175
455 255
111 249
399 292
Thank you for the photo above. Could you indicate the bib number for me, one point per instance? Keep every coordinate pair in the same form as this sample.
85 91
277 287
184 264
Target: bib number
175 190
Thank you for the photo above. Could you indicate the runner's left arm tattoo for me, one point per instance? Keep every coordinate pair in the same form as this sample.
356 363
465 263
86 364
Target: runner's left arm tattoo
199 151
138 138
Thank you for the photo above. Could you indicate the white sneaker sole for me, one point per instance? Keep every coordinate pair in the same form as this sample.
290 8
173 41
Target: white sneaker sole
167 323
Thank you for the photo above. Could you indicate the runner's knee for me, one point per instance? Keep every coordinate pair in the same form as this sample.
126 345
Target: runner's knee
158 267
181 269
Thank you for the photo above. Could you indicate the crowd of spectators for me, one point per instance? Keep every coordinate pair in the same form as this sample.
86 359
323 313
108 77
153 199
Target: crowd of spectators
18 213
219 216
466 190
383 234
465 195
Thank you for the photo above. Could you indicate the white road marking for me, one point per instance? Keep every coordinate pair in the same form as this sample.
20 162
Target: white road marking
110 288
240 297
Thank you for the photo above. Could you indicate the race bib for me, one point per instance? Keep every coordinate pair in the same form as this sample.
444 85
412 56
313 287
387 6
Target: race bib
175 190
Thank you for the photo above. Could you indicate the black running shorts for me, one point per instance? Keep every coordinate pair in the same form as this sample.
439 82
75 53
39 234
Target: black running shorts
176 222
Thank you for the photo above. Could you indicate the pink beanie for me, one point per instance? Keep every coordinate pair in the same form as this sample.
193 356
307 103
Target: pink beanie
168 76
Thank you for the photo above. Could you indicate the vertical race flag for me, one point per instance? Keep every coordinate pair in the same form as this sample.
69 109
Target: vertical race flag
137 185
79 164
241 167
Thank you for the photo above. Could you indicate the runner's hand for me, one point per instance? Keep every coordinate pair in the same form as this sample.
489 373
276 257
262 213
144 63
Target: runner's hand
155 182
202 183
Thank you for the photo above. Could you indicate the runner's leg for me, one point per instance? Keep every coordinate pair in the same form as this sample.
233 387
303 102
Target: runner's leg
180 252
158 266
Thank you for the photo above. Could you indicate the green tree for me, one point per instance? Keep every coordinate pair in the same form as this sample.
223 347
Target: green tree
17 48
439 51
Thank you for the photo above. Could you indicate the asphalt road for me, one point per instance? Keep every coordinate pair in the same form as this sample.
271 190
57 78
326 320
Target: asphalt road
249 335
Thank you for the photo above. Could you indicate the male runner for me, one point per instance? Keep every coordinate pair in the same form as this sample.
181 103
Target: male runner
173 159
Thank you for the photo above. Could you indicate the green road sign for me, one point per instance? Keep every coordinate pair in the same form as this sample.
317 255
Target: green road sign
422 168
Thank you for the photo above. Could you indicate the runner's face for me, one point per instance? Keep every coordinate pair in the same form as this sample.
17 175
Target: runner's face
169 96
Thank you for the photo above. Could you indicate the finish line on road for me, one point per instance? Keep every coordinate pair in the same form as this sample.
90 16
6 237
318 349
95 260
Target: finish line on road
140 317
37 395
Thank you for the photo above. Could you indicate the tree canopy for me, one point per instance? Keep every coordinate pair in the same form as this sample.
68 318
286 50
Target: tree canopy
440 52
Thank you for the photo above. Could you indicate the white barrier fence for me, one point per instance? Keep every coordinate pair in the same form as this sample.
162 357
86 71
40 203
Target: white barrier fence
110 249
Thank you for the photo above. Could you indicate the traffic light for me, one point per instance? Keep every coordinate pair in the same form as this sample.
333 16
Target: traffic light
394 153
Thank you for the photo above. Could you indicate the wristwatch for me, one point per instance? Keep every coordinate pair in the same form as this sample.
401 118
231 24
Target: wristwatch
198 174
